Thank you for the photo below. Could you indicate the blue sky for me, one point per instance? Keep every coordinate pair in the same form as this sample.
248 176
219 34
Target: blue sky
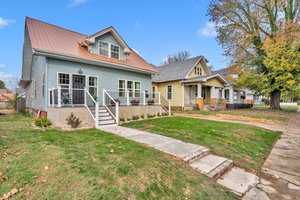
154 28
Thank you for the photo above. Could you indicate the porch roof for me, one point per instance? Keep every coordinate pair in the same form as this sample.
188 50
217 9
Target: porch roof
204 79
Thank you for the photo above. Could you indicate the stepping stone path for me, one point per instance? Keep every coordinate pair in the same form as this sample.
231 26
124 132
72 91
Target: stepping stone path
199 158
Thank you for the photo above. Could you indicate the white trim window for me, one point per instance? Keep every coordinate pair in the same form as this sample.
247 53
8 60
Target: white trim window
130 88
137 89
122 88
114 51
43 85
93 86
63 80
169 92
198 71
103 48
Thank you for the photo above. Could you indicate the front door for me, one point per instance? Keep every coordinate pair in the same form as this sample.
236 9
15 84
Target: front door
78 89
192 97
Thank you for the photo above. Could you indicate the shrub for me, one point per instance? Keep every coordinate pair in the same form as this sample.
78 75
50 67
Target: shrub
196 107
122 119
142 116
135 117
73 121
42 122
165 114
149 116
158 114
128 119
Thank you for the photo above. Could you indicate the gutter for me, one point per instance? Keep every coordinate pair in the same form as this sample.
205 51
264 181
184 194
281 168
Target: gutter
89 61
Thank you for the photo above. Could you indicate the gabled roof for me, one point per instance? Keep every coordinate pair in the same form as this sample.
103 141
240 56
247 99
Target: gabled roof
51 39
225 73
204 78
176 71
91 39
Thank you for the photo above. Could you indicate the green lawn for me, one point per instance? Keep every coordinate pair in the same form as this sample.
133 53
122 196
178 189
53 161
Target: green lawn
247 146
92 164
258 112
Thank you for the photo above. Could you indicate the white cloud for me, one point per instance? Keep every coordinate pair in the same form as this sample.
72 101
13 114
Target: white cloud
2 65
77 2
208 30
5 76
5 22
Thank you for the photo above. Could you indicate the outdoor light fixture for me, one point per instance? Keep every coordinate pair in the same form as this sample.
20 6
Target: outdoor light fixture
79 71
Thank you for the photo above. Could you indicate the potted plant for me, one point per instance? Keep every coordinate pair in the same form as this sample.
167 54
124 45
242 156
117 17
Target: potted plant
135 102
116 100
150 102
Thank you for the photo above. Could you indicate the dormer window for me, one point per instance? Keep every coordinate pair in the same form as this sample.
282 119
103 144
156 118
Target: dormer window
114 51
198 71
103 48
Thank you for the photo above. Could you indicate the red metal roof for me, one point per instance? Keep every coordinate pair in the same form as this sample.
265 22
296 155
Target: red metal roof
58 40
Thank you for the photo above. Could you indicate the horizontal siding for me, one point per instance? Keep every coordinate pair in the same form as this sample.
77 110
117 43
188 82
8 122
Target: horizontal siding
108 77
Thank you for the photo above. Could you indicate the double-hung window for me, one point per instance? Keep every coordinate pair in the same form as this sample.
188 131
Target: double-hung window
198 71
103 48
93 86
43 85
114 51
133 87
169 92
64 80
137 89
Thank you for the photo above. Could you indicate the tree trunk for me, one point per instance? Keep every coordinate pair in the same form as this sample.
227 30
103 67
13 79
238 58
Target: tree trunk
275 100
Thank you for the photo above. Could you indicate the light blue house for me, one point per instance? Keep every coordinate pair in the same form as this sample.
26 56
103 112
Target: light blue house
98 77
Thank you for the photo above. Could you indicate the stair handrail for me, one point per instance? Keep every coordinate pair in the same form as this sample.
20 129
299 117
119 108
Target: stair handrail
161 97
96 117
116 116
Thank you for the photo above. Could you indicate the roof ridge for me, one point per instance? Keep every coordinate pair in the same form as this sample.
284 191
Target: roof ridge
198 57
54 25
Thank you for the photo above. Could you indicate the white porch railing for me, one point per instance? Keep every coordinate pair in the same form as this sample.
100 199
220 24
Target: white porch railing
111 105
92 106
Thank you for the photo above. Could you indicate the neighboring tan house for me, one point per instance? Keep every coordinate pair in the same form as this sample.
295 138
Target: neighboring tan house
98 77
190 82
235 95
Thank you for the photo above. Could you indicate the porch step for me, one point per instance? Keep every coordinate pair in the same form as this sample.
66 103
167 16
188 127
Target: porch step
103 114
102 118
211 165
107 122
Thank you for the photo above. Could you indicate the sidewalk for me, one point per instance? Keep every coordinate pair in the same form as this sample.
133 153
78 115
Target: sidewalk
215 167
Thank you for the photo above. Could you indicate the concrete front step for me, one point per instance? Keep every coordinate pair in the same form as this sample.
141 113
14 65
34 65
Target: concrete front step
211 166
238 180
199 154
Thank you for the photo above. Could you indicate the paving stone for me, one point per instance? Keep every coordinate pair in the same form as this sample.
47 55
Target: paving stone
238 180
208 163
293 186
255 194
265 182
266 188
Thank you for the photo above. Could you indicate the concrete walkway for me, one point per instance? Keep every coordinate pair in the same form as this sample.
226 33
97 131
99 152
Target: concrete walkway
281 177
198 157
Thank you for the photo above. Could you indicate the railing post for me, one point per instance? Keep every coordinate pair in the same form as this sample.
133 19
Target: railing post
97 114
159 98
127 93
144 98
84 95
103 98
59 96
117 112
49 97
52 97
169 108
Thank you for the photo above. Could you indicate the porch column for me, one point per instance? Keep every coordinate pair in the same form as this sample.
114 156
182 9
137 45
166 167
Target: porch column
230 95
239 96
223 101
182 96
213 100
199 100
